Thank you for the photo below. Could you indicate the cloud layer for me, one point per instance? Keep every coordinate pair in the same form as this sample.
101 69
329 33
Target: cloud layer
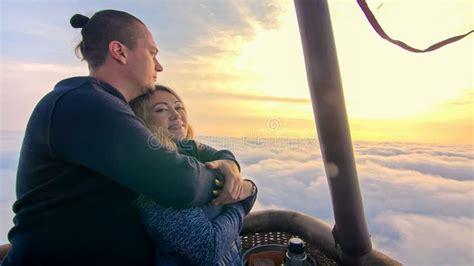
418 199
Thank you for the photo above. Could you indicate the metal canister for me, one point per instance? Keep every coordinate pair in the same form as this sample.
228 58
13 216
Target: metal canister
296 254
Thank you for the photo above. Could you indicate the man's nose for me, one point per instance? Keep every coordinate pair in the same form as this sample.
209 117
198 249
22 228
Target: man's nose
158 66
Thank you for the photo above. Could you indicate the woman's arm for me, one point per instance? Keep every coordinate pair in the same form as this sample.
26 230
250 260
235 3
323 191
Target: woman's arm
189 233
223 162
205 153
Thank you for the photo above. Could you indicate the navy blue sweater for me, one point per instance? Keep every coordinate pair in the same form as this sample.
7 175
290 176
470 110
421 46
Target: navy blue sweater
85 158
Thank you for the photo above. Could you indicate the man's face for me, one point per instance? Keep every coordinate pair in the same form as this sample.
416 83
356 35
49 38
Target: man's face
143 64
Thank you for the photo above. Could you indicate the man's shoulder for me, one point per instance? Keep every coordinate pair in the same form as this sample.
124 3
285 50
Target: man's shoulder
72 83
68 86
87 86
85 90
81 96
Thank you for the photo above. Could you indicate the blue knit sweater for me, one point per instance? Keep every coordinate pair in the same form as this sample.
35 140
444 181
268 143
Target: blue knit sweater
204 235
189 237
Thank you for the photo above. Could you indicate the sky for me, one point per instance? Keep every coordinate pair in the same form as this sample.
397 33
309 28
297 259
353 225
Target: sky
239 64
239 67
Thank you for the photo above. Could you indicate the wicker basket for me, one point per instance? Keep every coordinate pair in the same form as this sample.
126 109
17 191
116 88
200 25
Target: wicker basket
251 240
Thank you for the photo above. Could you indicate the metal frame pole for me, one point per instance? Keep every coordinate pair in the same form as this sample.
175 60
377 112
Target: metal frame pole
322 70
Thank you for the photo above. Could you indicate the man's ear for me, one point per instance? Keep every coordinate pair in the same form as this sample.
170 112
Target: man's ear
118 51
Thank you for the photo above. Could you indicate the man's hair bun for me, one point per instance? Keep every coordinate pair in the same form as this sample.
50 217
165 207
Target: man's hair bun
78 21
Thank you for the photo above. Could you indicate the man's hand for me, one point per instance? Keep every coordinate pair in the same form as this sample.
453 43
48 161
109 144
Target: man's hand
247 190
233 181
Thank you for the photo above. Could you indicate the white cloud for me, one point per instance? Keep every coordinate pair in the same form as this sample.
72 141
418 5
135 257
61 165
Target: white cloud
414 192
427 240
418 199
443 161
404 186
7 197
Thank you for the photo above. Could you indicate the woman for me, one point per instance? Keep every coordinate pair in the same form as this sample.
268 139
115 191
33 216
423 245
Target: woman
194 236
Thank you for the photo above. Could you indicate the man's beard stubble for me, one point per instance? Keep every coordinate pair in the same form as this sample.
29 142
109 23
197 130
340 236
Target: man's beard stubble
147 89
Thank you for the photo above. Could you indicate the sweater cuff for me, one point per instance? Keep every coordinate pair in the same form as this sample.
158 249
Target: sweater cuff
248 203
237 206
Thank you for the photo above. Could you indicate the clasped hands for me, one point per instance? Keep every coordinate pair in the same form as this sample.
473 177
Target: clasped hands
235 188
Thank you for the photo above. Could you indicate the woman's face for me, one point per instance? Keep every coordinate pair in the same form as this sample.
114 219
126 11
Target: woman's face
168 113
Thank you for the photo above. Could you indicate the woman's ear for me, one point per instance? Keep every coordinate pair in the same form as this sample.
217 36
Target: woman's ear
118 51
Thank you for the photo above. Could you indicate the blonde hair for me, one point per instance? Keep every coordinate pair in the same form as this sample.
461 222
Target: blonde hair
141 107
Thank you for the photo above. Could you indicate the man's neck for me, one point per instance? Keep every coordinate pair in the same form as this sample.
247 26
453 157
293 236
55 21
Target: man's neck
115 80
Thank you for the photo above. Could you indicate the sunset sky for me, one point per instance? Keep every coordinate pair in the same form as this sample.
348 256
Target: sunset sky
239 66
240 69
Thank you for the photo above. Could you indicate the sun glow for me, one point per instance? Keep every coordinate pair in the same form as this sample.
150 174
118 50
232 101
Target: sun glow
390 94
237 76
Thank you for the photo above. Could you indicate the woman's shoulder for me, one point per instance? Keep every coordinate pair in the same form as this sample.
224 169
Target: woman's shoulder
188 147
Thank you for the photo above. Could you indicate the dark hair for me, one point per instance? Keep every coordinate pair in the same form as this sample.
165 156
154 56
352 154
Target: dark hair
102 28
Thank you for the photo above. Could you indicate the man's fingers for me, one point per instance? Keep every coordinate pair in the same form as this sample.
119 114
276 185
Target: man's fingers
236 189
228 192
233 183
241 189
218 183
224 195
221 199
212 165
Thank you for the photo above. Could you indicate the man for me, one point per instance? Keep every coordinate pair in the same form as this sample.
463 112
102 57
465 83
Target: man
86 156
